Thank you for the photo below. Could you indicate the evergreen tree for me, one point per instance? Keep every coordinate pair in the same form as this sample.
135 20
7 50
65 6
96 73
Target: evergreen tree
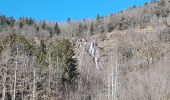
99 25
110 27
92 29
21 24
37 29
43 25
68 20
67 70
51 33
41 54
98 17
30 21
50 30
56 29
80 28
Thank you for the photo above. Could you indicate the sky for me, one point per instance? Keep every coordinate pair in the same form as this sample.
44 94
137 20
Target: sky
61 10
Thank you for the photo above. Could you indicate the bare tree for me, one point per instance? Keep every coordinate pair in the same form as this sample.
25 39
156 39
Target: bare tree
5 57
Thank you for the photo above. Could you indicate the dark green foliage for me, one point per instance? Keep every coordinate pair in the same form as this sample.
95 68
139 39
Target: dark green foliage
30 21
56 29
92 29
123 23
80 28
84 20
41 54
18 41
69 74
2 20
110 27
25 21
43 26
99 25
154 1
68 20
146 3
21 24
98 17
1 48
6 21
50 30
134 6
10 21
37 29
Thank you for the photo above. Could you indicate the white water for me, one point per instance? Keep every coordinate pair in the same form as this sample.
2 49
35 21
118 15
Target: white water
91 49
94 52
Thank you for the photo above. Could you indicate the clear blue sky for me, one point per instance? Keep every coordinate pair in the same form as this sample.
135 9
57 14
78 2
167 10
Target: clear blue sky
60 10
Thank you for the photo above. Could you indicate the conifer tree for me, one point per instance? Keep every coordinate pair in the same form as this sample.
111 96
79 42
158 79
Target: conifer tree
21 25
92 29
43 25
68 20
67 65
56 29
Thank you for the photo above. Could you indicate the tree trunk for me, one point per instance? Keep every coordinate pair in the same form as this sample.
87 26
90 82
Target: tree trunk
4 84
34 86
116 76
15 75
49 79
34 79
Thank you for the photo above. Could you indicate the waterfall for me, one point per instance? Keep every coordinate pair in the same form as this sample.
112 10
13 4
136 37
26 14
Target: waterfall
94 52
97 58
91 49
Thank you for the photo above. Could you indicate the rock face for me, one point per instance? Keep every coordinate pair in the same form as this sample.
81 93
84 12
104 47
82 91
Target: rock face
94 52
90 49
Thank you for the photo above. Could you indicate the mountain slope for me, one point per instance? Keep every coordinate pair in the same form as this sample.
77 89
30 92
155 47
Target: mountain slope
125 56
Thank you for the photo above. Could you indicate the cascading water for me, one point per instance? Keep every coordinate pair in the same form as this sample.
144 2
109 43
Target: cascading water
91 49
94 52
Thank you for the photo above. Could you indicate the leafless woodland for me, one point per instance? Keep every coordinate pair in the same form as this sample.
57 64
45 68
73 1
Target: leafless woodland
124 56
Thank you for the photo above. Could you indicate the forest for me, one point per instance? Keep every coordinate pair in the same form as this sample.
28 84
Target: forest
124 56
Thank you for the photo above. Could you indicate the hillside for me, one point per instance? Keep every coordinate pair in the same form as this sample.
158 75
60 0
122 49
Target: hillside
125 56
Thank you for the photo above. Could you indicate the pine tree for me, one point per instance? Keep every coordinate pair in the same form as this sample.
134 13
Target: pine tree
21 24
56 29
67 65
110 27
92 29
80 28
43 25
98 17
68 20
37 29
50 31
41 54
30 21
